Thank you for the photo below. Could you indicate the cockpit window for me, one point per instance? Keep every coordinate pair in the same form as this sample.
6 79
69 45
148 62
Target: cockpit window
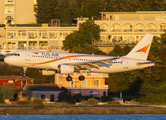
15 54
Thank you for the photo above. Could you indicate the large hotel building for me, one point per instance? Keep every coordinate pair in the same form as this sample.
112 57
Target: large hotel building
123 27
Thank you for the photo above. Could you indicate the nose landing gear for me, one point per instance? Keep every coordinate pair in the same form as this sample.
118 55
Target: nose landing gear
24 68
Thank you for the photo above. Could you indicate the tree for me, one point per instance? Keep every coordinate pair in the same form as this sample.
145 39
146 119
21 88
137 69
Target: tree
87 34
126 50
7 92
46 11
117 51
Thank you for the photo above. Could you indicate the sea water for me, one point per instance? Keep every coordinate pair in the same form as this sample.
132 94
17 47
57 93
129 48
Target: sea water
86 117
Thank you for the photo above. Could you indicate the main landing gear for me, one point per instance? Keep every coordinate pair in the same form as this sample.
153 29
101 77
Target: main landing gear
24 68
69 78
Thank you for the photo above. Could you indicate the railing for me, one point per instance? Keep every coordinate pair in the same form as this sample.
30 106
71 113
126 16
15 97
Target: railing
139 30
151 30
127 30
87 86
30 48
9 1
116 30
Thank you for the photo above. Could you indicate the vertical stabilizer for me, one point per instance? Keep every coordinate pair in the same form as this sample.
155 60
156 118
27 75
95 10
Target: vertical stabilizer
141 50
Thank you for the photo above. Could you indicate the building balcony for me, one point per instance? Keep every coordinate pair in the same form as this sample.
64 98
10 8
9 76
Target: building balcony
30 48
9 11
86 86
127 30
9 2
116 30
151 30
139 30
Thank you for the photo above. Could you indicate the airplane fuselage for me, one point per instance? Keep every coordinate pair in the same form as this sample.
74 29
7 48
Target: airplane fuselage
51 61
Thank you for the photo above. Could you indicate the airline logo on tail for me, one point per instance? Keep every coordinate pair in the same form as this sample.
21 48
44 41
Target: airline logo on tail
144 49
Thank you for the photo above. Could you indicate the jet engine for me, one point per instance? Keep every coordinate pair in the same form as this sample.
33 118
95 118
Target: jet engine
46 72
66 69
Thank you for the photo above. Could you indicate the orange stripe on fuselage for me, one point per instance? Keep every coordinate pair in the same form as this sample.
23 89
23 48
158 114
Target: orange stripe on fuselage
60 59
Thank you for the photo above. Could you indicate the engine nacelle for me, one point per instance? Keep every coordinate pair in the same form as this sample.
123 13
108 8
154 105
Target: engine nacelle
47 72
66 69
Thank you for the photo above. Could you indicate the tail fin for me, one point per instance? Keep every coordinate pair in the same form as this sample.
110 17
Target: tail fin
141 50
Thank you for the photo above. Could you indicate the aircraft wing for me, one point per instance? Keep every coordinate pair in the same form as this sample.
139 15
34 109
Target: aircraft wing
89 64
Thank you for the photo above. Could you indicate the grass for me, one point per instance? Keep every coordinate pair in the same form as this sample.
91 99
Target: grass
84 110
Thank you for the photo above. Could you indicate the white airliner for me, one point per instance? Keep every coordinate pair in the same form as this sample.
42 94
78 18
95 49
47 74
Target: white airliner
67 63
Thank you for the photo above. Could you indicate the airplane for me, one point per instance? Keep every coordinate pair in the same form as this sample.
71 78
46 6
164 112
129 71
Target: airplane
67 63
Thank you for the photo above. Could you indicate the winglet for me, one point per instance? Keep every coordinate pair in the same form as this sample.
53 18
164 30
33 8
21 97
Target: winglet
141 50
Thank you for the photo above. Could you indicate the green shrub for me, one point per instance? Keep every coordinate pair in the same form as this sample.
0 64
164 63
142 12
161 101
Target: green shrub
105 98
1 100
78 98
64 97
87 97
151 98
92 101
37 101
23 103
113 103
98 98
38 104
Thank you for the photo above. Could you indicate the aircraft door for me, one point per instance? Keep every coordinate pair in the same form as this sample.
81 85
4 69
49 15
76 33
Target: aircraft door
126 64
27 56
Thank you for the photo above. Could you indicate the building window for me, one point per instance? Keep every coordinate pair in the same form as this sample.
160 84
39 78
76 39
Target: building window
9 9
22 34
11 45
96 83
138 38
54 44
162 27
127 28
43 44
139 28
53 35
43 34
104 28
24 83
32 44
116 28
127 39
52 98
104 39
9 1
63 35
9 20
151 28
32 34
104 93
22 44
11 34
43 97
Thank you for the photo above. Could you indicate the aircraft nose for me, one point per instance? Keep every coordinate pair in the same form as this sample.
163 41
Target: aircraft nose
7 60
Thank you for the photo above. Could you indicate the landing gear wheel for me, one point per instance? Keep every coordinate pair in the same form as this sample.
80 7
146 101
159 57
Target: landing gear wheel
69 78
81 78
24 68
23 74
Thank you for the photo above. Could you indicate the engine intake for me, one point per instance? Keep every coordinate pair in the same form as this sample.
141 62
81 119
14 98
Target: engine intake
66 69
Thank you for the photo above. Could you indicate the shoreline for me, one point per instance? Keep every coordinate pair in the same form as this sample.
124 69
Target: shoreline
81 110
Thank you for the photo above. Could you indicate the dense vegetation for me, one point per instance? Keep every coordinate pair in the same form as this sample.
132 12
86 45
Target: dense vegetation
67 10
